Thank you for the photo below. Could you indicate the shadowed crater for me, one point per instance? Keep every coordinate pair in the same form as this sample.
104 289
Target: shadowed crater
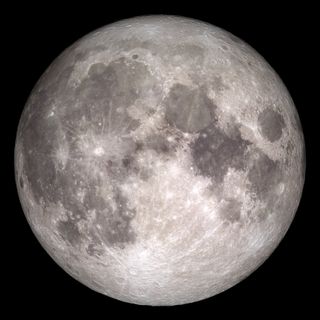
271 124
214 152
190 110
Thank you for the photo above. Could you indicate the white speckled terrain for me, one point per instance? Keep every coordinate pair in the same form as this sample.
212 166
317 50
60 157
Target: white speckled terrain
159 160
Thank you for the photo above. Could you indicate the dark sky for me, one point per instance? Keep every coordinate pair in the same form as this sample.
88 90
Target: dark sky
32 36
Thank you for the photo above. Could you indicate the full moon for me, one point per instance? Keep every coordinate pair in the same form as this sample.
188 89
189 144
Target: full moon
159 160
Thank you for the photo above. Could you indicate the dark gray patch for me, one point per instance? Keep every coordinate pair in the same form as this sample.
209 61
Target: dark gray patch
93 201
21 183
157 143
297 123
52 87
190 110
40 133
115 223
118 171
217 84
231 211
108 88
40 172
69 231
82 55
264 175
37 141
95 247
63 189
189 50
214 152
127 162
135 56
133 43
93 250
271 124
185 53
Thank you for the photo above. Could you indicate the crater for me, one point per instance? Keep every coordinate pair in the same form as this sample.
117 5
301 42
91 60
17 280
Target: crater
271 124
218 85
214 152
189 110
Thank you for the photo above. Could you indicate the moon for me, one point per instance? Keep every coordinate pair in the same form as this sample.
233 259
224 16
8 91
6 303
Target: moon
159 160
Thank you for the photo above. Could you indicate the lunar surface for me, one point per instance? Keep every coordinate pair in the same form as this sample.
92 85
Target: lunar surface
159 160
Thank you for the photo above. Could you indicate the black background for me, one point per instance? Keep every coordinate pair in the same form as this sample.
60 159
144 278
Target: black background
285 35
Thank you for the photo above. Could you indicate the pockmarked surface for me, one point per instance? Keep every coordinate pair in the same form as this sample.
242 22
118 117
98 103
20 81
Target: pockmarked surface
159 160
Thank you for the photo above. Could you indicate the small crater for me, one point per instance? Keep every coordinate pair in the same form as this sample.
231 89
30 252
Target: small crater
135 56
271 124
214 152
190 110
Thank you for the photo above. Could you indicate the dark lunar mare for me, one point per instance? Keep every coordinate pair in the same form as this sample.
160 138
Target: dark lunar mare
214 152
189 110
271 123
106 88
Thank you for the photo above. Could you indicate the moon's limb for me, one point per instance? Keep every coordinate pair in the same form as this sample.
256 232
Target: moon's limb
159 160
